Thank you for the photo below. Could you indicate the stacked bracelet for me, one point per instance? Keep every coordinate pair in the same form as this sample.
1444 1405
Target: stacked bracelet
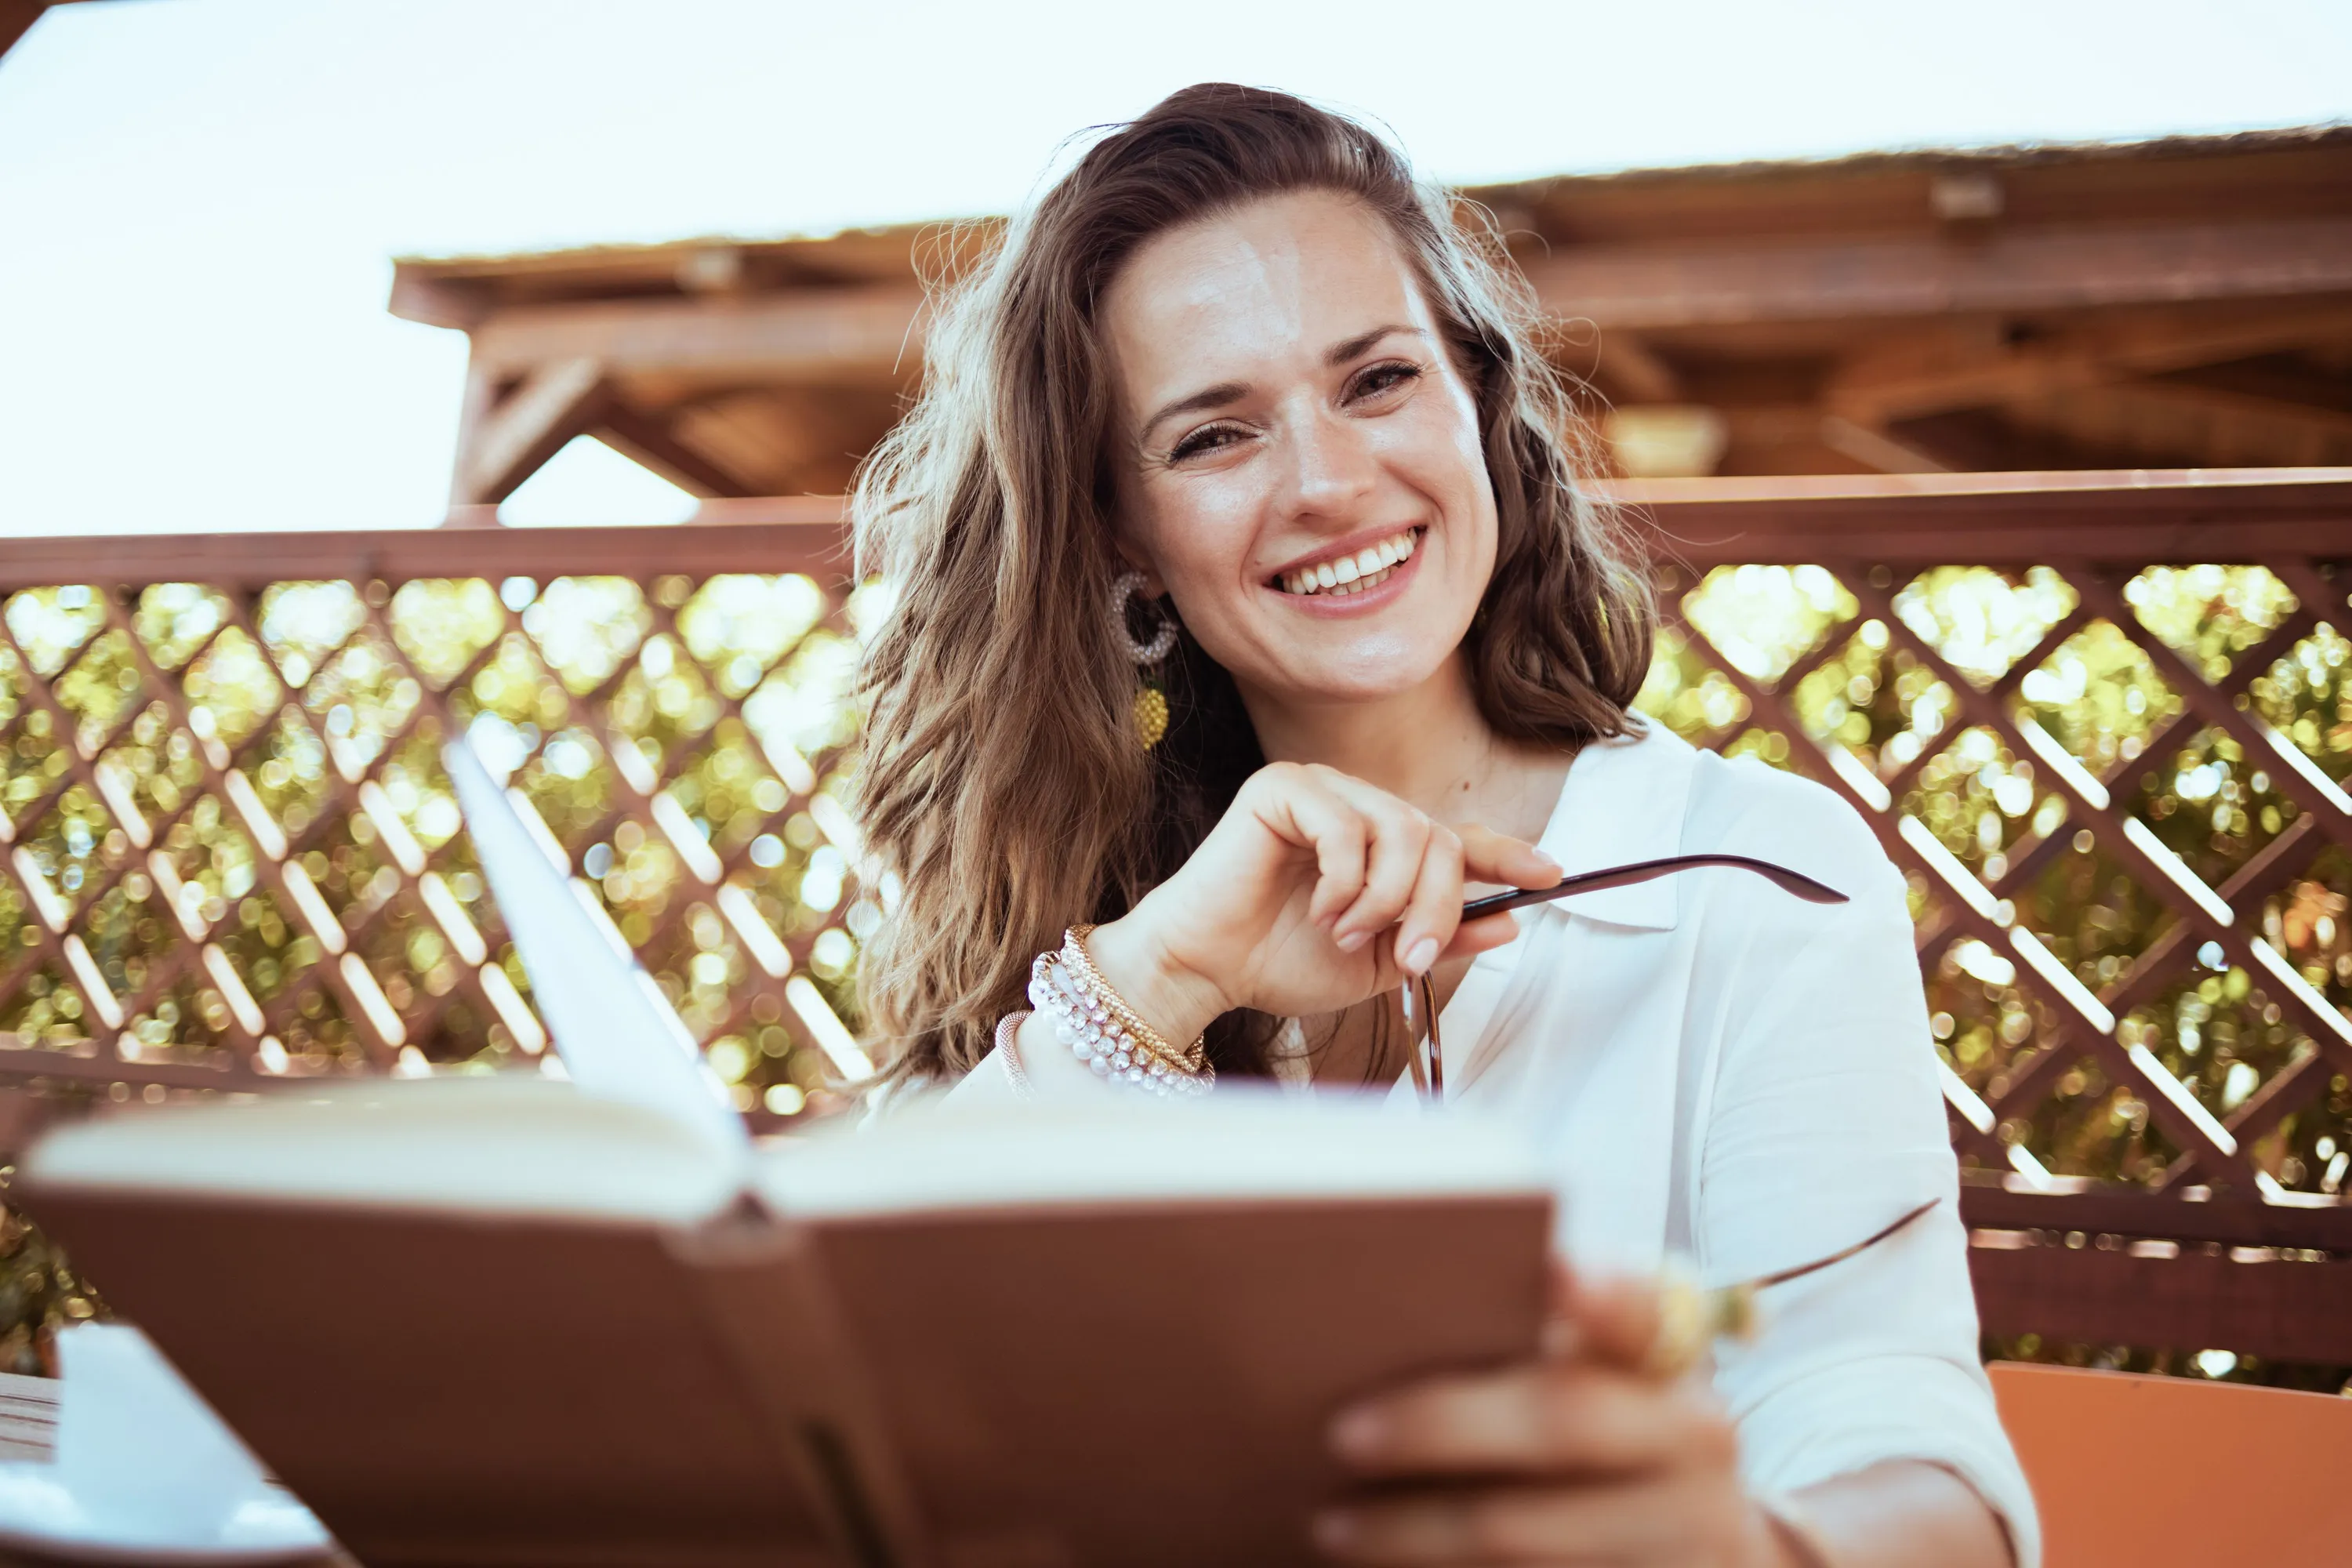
1075 957
1103 1032
1008 1053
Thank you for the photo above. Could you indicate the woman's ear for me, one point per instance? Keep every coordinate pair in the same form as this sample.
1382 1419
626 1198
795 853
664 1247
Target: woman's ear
1131 559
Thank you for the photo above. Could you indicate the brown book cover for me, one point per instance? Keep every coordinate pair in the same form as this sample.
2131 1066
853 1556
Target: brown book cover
499 1324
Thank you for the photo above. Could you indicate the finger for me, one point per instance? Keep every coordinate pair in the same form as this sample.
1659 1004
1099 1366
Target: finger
1491 857
1481 935
1400 841
1642 1522
1618 1319
1563 1337
1303 811
1435 910
1541 1418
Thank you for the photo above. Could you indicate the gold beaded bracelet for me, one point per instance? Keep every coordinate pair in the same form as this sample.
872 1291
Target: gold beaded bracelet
1080 963
1102 1041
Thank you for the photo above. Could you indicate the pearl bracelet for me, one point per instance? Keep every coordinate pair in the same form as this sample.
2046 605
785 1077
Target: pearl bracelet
1084 1021
1100 994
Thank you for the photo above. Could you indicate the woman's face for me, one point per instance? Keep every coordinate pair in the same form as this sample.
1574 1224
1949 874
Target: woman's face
1297 457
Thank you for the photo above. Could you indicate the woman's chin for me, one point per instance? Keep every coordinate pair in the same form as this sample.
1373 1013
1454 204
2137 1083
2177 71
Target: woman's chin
1357 675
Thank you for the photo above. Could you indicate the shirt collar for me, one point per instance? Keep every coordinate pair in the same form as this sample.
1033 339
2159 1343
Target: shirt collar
1623 801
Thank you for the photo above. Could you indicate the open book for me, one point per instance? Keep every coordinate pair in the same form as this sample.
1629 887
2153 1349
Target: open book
509 1320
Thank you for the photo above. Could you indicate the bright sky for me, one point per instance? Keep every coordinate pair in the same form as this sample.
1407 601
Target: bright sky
199 199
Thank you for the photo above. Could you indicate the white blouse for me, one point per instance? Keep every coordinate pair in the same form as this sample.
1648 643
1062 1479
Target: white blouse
1712 1068
1715 1069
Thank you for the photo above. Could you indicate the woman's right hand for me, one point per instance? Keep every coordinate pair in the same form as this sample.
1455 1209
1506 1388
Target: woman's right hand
1287 907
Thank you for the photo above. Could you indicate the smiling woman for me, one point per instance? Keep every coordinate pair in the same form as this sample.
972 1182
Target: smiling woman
1365 377
1238 364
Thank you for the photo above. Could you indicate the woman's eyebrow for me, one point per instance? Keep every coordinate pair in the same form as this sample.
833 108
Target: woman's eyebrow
1349 348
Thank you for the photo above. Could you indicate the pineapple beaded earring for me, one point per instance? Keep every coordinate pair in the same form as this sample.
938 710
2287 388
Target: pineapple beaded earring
1150 713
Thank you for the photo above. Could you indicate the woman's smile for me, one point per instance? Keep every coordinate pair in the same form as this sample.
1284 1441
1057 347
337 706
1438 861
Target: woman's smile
1352 577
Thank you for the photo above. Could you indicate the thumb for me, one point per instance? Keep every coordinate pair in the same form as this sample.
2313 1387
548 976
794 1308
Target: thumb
1621 1320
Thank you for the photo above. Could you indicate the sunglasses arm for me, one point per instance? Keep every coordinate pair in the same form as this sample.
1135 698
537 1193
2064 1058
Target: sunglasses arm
1420 996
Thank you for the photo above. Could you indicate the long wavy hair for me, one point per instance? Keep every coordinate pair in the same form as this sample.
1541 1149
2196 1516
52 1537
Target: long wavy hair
1002 787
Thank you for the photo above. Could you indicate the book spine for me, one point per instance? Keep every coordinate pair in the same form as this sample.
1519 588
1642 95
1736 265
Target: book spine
778 1325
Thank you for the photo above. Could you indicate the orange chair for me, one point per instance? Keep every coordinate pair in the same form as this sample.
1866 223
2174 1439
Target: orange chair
2134 1472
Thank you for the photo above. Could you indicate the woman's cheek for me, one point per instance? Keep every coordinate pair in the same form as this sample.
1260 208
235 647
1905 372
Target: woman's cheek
1175 522
1209 541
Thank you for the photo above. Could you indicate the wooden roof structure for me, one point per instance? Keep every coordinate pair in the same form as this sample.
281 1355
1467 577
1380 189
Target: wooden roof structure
2177 303
17 16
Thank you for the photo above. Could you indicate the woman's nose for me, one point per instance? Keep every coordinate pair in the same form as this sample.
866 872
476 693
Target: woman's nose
1331 465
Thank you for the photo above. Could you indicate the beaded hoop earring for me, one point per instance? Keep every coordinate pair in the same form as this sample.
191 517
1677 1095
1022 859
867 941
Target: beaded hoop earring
1151 712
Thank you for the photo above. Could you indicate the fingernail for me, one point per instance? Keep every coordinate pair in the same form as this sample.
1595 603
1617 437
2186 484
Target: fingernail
1547 863
1421 955
1359 1434
1354 939
1334 1530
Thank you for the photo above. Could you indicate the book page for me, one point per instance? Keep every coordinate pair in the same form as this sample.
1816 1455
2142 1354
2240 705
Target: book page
1244 1143
495 1144
617 1035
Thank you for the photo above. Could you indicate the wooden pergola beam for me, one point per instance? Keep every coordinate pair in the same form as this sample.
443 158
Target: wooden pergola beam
17 16
16 19
1886 451
648 439
503 445
1632 369
2013 270
2067 518
1985 440
1937 372
2163 391
2128 517
2273 384
873 332
818 334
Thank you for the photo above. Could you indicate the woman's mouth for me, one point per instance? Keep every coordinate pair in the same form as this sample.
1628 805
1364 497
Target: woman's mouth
1359 572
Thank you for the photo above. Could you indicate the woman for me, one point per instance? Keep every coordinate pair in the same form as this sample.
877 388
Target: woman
1239 432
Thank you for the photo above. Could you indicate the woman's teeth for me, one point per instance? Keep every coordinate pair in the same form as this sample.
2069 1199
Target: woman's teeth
1365 570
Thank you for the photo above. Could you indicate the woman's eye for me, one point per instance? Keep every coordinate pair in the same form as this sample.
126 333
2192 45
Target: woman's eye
1382 378
1208 438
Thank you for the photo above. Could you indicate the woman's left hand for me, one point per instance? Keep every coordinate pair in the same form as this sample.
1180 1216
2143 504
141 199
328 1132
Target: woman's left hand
1587 1455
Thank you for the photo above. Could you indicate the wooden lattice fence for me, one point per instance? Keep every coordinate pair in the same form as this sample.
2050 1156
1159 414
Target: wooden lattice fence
233 856
2106 730
2103 724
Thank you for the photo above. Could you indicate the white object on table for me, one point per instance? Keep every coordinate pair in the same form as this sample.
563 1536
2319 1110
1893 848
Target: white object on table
144 1472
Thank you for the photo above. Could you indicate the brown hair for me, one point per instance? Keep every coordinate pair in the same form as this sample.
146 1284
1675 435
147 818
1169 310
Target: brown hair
1002 787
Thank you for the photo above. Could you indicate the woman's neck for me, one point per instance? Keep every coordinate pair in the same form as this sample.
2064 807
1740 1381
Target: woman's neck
1429 746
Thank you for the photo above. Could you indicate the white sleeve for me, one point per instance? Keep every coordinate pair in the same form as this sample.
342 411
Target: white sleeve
1826 1121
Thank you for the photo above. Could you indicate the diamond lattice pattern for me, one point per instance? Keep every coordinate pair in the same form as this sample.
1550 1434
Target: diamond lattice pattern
2119 799
231 855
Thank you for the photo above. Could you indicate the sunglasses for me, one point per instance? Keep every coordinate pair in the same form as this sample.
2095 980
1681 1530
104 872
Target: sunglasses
1419 997
1726 1312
